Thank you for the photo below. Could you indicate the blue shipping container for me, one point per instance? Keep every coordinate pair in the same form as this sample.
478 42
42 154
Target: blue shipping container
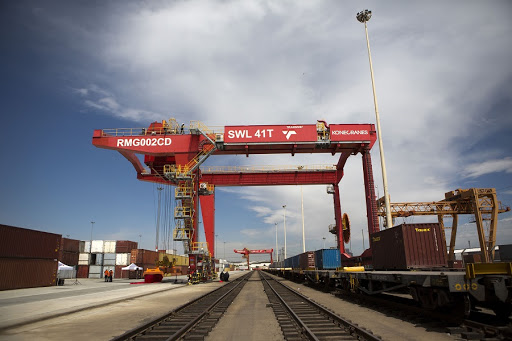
295 262
326 259
288 263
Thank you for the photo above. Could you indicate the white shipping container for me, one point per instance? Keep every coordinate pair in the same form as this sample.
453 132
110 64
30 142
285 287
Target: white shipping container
97 246
87 246
95 275
99 258
81 246
122 259
109 259
95 269
84 259
109 246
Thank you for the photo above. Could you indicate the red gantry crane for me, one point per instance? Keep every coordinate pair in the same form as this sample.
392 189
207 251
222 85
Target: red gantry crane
174 153
245 252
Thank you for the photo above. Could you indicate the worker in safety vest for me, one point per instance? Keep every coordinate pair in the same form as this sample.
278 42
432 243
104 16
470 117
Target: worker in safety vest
110 275
106 275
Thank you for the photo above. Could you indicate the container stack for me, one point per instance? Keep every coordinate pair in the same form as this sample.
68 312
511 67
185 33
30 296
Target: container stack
28 258
99 255
69 251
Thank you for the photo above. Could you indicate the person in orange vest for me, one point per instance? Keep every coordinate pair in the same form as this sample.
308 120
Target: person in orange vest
110 275
106 275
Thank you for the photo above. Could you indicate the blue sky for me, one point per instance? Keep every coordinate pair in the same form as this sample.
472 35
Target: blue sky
443 82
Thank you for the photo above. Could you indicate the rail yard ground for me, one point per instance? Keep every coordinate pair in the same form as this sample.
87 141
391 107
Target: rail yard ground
101 310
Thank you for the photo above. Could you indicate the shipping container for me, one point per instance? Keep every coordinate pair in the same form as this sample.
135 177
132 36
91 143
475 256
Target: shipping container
121 273
82 271
307 260
69 258
97 259
288 263
18 273
505 253
70 245
123 259
87 247
180 260
140 256
472 258
125 246
109 246
409 246
95 269
161 256
84 259
16 242
97 246
295 262
109 259
327 259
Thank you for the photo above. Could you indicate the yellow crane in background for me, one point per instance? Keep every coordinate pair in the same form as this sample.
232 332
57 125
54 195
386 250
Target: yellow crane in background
481 202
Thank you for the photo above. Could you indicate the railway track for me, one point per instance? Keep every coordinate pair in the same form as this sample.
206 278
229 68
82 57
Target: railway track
191 321
303 319
477 325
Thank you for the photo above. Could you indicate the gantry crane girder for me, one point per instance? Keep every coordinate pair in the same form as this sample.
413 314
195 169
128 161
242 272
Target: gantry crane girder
167 148
246 252
481 202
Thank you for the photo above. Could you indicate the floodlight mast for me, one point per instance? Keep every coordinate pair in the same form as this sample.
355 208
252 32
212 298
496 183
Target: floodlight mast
363 17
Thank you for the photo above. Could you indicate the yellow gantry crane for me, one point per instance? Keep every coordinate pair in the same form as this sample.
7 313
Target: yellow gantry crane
482 202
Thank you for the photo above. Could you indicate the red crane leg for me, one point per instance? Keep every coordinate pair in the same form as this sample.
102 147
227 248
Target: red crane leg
337 218
208 213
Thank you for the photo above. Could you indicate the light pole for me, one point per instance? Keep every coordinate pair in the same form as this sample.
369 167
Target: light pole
277 247
140 240
302 205
362 233
92 226
224 250
158 218
324 242
215 249
284 215
363 17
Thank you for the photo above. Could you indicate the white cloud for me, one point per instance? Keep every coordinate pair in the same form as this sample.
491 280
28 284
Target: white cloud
487 167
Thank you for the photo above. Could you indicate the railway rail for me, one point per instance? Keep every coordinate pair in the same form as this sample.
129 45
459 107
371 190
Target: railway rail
193 320
303 319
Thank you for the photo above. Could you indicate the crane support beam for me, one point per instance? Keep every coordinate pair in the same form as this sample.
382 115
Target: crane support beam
271 178
208 213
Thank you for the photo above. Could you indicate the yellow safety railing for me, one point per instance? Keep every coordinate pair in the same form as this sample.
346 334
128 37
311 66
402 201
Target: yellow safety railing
200 247
183 233
184 191
269 168
183 212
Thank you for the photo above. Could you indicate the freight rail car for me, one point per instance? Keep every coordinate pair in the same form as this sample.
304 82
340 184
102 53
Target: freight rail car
438 287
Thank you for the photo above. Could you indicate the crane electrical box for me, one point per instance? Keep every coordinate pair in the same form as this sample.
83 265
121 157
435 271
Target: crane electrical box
173 155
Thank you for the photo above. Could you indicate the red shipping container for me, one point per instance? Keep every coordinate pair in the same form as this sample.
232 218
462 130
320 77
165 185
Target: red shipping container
409 246
70 245
307 260
120 273
83 271
69 258
16 242
140 256
125 246
19 273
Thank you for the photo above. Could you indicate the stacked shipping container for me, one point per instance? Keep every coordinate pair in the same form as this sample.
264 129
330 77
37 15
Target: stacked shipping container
28 258
106 255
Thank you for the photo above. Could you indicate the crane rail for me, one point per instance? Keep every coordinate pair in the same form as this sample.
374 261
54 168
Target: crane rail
301 318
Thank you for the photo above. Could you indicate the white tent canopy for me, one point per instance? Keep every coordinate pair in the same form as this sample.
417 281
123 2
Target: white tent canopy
64 267
132 267
65 271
